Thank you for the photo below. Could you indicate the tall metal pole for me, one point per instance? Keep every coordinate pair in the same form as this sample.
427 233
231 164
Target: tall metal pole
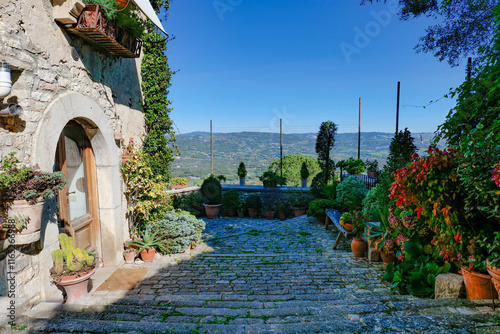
211 150
359 129
281 146
469 68
397 109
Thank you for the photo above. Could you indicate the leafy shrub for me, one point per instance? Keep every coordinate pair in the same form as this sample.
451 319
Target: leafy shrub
351 193
211 191
354 166
321 190
401 151
189 203
376 198
179 181
253 201
371 165
271 179
232 199
318 206
178 231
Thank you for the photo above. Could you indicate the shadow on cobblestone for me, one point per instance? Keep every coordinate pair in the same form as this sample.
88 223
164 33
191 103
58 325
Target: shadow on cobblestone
263 276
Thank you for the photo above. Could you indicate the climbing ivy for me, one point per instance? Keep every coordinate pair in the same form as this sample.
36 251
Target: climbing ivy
159 142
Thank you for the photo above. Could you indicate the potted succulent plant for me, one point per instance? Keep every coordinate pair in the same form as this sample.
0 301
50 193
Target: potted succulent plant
372 168
129 254
347 221
148 244
253 204
304 174
211 193
242 173
23 190
72 269
383 241
231 200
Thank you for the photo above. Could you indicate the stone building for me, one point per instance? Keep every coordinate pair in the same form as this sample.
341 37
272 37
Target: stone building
79 99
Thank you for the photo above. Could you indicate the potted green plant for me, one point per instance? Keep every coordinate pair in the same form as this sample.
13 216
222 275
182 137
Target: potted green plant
72 269
493 260
380 232
211 193
269 197
23 191
282 206
372 168
231 202
148 244
300 202
179 183
358 244
253 204
346 221
242 173
304 174
271 179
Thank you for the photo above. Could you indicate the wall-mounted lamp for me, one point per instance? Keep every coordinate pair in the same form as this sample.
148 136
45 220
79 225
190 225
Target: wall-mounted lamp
5 81
10 110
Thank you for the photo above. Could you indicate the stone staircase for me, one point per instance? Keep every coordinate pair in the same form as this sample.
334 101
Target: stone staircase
262 277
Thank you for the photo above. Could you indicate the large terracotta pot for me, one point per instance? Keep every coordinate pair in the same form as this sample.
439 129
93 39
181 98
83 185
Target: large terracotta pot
76 286
299 211
478 286
179 186
372 174
33 211
358 247
495 277
212 211
253 213
387 258
270 214
148 255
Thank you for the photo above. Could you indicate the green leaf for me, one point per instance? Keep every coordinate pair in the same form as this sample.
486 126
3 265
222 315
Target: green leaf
413 248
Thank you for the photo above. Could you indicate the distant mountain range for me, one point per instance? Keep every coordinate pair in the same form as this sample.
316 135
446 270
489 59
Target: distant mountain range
258 149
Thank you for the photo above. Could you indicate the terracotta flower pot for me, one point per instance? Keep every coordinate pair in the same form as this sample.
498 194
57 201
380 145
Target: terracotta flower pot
299 211
270 214
130 257
76 286
387 258
212 211
253 213
478 286
230 212
148 255
3 235
372 174
179 186
33 211
495 277
358 247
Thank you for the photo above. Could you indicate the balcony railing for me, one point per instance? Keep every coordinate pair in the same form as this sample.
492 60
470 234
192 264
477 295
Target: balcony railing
93 26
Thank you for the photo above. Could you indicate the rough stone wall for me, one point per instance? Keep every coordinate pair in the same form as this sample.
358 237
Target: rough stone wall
47 63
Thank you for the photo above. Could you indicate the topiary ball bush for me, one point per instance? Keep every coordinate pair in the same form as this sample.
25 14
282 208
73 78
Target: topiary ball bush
211 191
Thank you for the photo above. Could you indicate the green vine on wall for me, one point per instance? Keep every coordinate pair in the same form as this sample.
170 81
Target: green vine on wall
159 142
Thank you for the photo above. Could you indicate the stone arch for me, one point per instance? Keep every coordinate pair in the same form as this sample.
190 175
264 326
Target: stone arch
74 106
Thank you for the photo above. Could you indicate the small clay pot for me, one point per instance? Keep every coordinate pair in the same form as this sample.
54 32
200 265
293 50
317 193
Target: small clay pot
148 255
358 247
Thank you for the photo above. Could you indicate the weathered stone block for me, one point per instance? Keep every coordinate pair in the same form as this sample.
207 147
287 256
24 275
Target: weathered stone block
449 286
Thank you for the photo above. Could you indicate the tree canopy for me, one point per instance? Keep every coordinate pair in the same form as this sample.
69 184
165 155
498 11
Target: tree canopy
324 144
292 164
465 26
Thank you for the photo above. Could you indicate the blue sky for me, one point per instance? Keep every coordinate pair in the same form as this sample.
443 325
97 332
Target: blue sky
246 63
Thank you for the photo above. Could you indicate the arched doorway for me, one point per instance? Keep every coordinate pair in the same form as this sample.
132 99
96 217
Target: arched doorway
78 203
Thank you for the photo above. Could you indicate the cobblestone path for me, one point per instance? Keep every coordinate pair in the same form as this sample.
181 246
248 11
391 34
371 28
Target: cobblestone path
261 276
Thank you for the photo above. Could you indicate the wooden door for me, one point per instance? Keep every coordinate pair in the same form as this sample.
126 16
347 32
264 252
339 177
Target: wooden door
78 206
